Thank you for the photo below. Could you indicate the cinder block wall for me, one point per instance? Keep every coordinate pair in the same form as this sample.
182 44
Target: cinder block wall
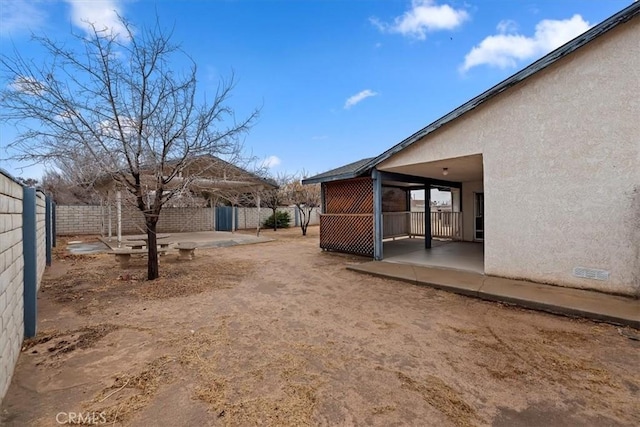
72 220
78 220
248 217
41 200
11 279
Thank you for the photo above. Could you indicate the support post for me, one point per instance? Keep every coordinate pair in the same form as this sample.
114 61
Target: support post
101 217
53 223
233 218
48 229
30 258
213 203
119 214
427 216
109 215
377 215
258 225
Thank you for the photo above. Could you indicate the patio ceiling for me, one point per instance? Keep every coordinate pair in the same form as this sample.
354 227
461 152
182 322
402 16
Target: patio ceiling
460 169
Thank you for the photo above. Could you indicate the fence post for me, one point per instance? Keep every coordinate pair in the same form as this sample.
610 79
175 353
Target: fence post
47 228
29 248
54 206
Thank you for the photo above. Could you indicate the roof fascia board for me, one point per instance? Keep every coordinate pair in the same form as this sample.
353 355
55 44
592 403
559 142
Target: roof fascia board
331 178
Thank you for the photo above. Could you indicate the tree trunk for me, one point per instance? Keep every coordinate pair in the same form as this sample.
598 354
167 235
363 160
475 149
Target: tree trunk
303 221
275 219
153 271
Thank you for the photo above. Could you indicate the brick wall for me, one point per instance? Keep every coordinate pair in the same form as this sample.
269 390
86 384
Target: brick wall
11 279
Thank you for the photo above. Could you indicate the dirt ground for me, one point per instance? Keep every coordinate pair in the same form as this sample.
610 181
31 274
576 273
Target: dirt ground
280 333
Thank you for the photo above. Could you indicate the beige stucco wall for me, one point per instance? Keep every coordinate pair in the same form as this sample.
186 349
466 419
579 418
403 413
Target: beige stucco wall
561 156
468 212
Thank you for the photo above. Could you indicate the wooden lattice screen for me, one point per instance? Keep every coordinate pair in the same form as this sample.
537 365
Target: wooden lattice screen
352 196
351 233
347 225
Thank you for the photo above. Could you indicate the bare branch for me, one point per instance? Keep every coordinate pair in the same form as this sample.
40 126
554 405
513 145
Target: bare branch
112 111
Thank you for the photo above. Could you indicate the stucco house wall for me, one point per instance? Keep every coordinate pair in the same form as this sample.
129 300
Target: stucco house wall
468 213
560 155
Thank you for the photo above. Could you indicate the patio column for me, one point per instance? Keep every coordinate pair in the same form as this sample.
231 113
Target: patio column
377 214
427 216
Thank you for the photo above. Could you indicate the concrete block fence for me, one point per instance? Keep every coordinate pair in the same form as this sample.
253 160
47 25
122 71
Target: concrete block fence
75 220
78 220
26 237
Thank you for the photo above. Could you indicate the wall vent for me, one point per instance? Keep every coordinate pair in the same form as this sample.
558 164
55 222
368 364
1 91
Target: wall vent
591 273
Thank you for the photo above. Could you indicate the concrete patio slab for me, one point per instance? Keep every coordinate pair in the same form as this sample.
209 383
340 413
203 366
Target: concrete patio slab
554 299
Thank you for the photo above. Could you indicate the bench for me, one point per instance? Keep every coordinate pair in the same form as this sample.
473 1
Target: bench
136 245
123 256
143 245
186 250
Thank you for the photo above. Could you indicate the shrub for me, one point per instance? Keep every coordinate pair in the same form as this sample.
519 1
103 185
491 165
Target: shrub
282 220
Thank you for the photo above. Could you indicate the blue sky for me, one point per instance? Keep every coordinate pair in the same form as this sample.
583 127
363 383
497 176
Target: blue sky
336 80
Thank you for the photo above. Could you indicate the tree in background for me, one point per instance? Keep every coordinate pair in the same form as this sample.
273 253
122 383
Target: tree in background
306 198
117 102
273 198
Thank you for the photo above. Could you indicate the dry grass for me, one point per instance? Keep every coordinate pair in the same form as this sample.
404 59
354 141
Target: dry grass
541 358
57 343
292 402
132 392
442 397
94 281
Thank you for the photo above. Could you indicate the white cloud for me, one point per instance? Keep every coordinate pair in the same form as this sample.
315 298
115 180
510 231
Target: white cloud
358 97
507 49
28 85
20 16
271 162
423 17
103 14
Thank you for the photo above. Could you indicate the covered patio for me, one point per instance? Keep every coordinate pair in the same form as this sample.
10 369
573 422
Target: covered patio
367 210
455 255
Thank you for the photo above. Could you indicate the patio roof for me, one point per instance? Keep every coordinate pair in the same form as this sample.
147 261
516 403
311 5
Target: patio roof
364 166
343 172
212 173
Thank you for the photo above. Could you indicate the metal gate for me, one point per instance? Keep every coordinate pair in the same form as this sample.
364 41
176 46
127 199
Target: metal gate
224 218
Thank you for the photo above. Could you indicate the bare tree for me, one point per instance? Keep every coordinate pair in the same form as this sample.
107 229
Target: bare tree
306 198
273 198
67 191
117 101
